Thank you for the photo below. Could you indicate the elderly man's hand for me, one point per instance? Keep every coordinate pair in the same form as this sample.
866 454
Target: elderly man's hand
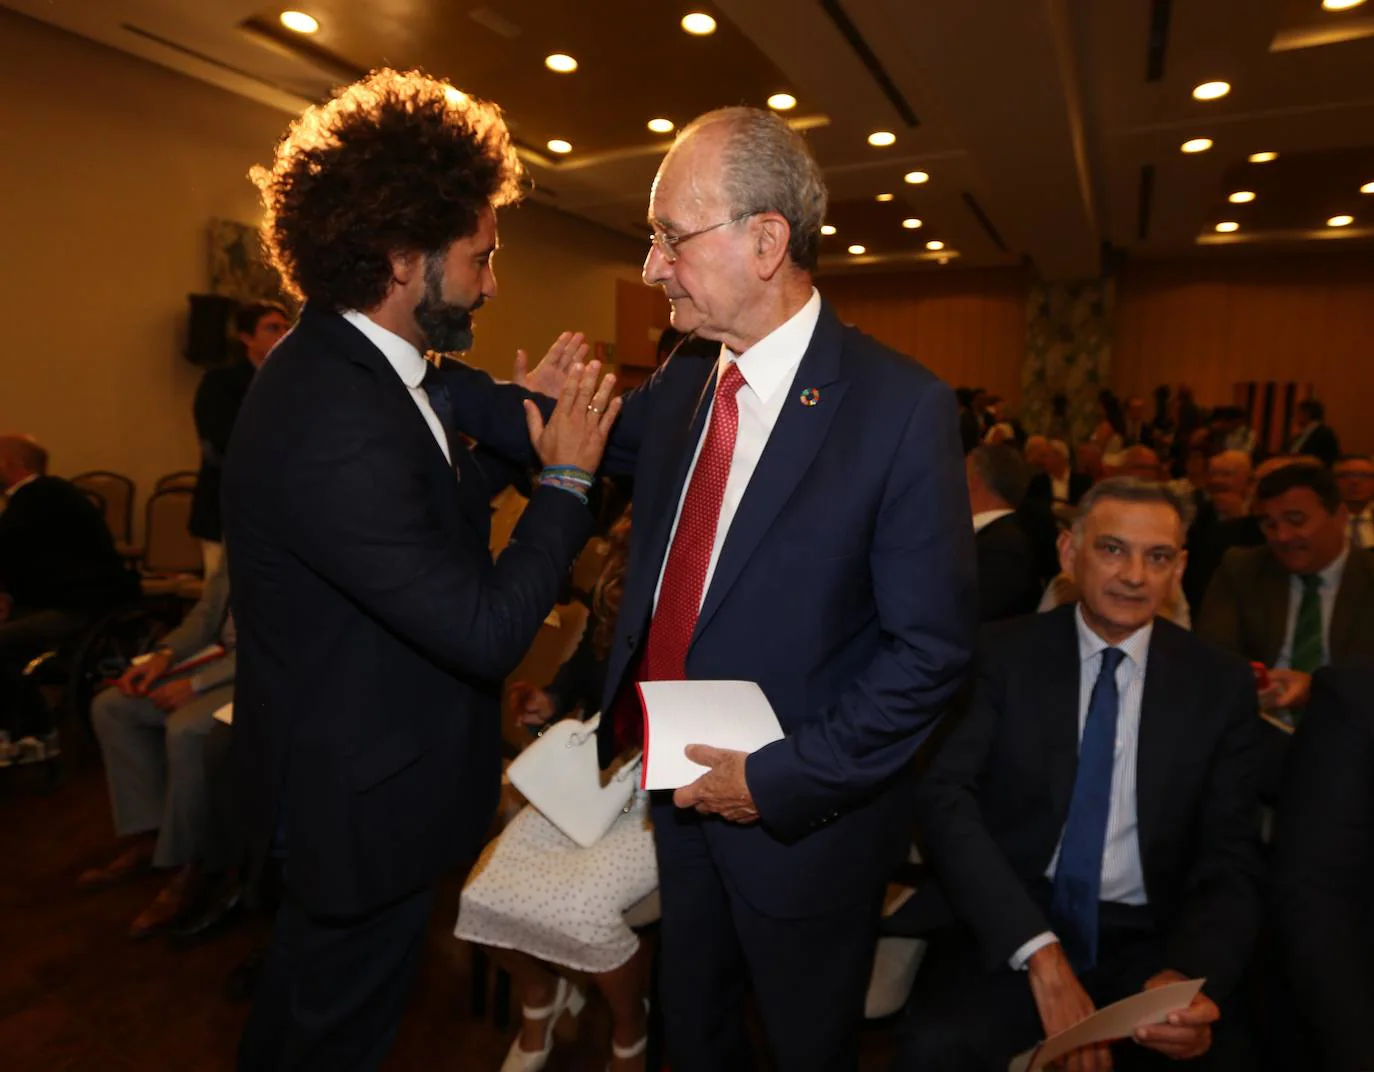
722 790
548 377
1188 1032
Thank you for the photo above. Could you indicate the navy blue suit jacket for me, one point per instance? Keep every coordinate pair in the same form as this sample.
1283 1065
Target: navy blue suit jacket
845 588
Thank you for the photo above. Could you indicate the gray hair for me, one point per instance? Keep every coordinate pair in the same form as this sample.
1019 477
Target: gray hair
1002 470
767 167
1129 489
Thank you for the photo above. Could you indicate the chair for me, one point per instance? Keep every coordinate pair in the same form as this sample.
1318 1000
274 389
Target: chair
587 569
183 478
505 512
170 552
117 494
553 646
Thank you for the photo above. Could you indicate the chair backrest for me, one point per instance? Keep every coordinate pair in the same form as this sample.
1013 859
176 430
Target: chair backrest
505 512
184 478
117 492
587 569
168 546
97 500
552 647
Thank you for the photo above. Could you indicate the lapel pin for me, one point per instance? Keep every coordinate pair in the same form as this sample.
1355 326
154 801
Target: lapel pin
810 397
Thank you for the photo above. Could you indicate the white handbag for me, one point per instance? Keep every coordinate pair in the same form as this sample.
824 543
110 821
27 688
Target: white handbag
560 776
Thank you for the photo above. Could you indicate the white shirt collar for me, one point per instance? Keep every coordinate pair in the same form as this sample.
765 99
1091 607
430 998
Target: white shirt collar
21 483
1135 647
984 518
408 362
1331 576
769 365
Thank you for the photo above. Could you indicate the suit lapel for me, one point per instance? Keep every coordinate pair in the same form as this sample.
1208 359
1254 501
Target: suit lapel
1353 594
1165 713
791 448
1058 681
1272 600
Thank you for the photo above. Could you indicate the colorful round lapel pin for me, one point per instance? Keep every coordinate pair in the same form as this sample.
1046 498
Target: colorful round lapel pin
810 397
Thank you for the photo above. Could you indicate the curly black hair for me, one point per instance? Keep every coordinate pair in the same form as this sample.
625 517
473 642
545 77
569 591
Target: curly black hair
397 162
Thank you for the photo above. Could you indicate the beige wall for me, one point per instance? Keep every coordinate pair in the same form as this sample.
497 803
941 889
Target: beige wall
111 170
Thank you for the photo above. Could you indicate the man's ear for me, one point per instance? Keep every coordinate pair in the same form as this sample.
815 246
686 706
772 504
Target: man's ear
405 266
771 236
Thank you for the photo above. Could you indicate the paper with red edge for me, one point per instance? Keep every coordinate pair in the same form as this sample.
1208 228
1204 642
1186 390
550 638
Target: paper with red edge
1115 1022
734 715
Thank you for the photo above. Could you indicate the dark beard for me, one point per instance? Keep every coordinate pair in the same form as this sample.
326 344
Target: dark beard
446 326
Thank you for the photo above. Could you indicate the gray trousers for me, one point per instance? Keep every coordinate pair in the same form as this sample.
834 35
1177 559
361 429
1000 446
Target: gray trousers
157 770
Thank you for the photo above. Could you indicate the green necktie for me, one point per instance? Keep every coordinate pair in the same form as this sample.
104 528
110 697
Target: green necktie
1307 633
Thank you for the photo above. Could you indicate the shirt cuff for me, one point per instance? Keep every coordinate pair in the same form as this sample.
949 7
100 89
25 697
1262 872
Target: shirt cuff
1022 956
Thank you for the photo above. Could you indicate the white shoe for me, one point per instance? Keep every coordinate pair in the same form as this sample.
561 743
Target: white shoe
624 1053
567 998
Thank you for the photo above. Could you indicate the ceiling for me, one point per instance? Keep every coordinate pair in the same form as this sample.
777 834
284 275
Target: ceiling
1049 129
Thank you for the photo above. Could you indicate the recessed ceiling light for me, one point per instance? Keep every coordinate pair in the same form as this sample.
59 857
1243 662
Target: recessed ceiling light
699 24
1196 145
1263 158
1340 5
1340 221
1211 90
911 223
827 228
454 96
1240 197
782 102
1228 226
916 177
661 126
300 22
561 63
880 139
558 145
935 245
885 197
1367 188
858 251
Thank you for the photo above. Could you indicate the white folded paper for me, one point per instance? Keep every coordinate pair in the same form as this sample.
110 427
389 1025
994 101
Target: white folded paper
1116 1021
224 714
724 714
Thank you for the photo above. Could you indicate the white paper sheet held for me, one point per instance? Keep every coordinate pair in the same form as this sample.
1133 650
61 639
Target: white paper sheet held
723 714
1116 1021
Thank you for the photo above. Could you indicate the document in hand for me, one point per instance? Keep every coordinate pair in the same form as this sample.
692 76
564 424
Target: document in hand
1114 1022
724 714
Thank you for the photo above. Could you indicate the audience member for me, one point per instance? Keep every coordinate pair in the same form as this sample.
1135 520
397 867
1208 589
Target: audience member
1355 477
1091 821
1090 461
1312 435
1323 866
1110 433
1054 481
1136 430
1140 463
1009 581
258 325
153 727
1224 520
1231 430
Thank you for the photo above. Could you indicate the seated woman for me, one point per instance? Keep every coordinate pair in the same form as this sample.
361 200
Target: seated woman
541 904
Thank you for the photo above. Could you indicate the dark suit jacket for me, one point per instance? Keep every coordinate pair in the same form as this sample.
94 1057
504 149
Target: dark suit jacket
1246 609
1324 867
374 629
1041 488
1321 443
992 805
844 588
56 552
1008 577
1209 538
218 398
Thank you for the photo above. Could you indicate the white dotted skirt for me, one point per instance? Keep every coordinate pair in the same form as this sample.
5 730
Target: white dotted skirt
536 890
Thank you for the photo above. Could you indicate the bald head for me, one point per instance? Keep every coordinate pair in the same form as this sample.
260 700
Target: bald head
1230 472
20 457
1141 463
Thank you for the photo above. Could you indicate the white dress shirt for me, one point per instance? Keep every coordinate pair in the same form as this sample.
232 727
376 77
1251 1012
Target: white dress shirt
1059 488
1331 584
984 518
1123 876
21 483
410 366
768 368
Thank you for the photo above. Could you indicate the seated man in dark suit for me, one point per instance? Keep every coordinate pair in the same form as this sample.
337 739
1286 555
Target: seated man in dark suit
1324 868
1312 435
1055 482
1224 520
1091 821
1008 576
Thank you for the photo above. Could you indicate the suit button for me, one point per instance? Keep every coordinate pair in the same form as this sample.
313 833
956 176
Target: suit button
632 641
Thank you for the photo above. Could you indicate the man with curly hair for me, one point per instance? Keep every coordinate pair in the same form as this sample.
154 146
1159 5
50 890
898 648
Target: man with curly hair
374 628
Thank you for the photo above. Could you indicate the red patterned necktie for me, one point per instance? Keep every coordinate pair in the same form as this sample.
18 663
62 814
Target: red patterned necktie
684 577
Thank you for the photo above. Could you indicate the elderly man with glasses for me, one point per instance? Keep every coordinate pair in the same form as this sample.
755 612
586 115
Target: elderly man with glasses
801 522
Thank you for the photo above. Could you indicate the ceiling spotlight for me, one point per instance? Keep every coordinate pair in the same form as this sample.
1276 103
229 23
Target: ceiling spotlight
1241 197
698 24
916 177
300 22
1367 188
560 63
1211 90
454 96
885 197
782 102
858 251
1196 145
1340 5
661 126
911 223
1340 221
827 228
1263 158
558 145
881 139
1228 226
935 245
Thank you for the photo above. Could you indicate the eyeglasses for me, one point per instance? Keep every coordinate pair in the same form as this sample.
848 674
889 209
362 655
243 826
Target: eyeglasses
667 243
